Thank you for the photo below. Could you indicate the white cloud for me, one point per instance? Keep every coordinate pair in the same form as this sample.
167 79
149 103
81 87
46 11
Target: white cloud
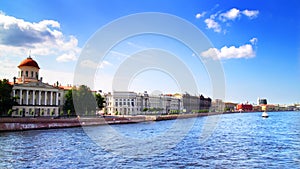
43 38
254 41
93 65
251 13
232 14
104 63
200 15
212 24
89 64
66 57
52 76
225 17
232 52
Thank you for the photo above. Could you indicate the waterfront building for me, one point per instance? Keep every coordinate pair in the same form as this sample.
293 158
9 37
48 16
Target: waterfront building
257 108
170 104
230 107
217 105
33 96
244 107
121 103
131 103
195 103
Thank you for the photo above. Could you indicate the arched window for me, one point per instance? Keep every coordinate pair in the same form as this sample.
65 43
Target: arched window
21 73
32 74
36 75
26 73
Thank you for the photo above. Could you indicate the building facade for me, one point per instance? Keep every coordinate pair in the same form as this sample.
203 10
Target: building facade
131 103
122 103
244 107
195 103
217 105
33 97
230 107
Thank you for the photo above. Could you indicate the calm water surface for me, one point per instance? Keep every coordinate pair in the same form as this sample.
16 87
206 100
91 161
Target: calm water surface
239 141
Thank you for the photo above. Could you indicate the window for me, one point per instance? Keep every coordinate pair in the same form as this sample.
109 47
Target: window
32 74
36 75
21 73
26 73
116 103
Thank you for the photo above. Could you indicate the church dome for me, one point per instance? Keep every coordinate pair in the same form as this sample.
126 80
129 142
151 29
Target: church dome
29 62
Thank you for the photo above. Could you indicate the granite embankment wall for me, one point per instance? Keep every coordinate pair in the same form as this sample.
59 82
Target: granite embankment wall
19 124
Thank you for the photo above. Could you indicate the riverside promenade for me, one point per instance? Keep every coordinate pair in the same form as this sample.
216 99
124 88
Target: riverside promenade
20 124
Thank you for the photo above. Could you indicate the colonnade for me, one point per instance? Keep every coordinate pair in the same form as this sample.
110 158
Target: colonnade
36 97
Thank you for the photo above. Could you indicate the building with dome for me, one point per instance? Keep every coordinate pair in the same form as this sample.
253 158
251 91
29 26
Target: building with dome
34 97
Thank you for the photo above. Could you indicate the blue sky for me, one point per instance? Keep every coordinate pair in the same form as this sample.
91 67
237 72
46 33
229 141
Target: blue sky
256 41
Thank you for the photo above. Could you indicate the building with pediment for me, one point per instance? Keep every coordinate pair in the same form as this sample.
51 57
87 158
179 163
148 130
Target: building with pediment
34 97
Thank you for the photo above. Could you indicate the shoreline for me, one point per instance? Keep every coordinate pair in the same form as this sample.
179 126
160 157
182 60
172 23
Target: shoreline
9 124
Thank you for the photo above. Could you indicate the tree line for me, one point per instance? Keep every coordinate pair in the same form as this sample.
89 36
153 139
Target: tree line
82 101
6 99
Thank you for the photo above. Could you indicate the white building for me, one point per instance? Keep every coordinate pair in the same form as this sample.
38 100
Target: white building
34 97
122 103
217 105
131 103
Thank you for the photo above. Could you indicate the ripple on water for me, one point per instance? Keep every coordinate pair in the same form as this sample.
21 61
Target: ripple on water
239 141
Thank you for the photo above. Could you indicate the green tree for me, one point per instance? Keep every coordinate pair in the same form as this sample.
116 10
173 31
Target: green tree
80 101
69 105
84 100
100 101
6 100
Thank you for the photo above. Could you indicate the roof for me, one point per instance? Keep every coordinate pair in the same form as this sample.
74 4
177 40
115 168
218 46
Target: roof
69 87
29 62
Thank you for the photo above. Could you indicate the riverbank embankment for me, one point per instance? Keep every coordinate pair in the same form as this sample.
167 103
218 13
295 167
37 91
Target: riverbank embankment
19 124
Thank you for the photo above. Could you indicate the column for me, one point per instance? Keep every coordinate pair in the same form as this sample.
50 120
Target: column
21 96
27 97
57 98
14 93
45 97
33 97
40 95
51 99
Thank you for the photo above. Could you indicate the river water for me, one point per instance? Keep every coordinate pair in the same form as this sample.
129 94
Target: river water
241 140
